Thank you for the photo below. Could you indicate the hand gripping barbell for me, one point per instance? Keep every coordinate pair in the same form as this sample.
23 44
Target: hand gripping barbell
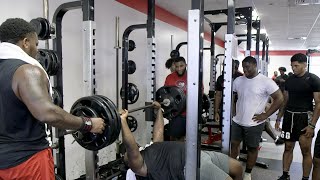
103 107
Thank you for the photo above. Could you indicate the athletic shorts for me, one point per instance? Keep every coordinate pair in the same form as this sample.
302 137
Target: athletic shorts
177 126
214 166
293 123
317 146
250 135
38 167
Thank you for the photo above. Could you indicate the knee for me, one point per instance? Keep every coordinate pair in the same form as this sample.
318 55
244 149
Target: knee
288 148
306 151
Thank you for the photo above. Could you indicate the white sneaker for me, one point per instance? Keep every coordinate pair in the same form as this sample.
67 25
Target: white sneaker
247 176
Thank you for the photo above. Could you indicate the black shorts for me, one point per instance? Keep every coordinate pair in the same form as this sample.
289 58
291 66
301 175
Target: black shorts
317 146
293 123
250 135
177 126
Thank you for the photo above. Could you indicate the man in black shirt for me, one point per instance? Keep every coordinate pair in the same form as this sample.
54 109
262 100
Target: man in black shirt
166 160
26 105
280 80
300 117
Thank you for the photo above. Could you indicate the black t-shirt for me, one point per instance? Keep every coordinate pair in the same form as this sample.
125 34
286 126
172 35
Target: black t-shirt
300 91
281 84
165 160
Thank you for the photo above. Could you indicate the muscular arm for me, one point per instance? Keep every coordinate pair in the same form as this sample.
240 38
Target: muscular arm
30 85
158 127
316 111
132 156
283 105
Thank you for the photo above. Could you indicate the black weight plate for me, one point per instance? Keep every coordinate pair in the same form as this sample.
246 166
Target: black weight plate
132 123
132 45
102 139
85 138
133 93
175 96
131 67
112 119
54 69
116 115
56 97
43 58
36 23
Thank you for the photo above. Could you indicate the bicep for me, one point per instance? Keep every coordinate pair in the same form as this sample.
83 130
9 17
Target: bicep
32 88
277 95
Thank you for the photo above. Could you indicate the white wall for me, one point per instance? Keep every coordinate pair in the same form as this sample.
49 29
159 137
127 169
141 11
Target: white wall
284 61
105 13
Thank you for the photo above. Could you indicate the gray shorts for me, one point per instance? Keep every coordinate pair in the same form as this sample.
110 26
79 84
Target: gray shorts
214 166
250 135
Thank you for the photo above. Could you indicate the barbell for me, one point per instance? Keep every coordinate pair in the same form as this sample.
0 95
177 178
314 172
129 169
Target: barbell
103 107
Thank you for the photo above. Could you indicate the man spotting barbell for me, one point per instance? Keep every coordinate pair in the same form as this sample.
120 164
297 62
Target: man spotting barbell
26 105
166 160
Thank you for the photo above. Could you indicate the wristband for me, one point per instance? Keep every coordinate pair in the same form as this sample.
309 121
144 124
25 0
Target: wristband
278 120
311 125
86 124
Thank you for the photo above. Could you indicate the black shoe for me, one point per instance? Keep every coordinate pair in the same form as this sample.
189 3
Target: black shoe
279 141
284 177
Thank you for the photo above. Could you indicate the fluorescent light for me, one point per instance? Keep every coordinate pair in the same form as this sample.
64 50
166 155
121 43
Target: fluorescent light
297 38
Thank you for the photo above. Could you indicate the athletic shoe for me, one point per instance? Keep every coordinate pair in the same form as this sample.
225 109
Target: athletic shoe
284 177
247 176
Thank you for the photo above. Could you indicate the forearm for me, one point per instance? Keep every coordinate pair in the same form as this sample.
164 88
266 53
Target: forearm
281 110
277 103
158 127
316 114
57 117
135 160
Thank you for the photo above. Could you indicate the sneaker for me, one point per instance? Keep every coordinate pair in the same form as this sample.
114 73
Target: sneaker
279 141
284 177
247 176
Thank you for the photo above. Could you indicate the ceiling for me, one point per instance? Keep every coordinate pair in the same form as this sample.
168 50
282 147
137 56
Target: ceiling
288 26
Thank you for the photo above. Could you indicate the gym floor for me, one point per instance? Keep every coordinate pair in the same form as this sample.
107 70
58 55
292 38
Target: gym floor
272 155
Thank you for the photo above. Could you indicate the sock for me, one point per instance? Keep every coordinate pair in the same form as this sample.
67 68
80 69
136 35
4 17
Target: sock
305 178
286 174
248 170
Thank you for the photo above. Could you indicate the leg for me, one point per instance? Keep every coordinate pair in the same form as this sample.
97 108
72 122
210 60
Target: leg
177 128
235 149
252 139
236 138
316 159
252 157
235 169
287 155
214 166
316 168
305 145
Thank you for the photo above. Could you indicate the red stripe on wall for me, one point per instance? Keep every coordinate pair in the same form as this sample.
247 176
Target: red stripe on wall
283 53
165 16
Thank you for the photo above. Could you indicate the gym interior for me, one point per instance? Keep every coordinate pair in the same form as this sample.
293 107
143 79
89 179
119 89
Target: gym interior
98 47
